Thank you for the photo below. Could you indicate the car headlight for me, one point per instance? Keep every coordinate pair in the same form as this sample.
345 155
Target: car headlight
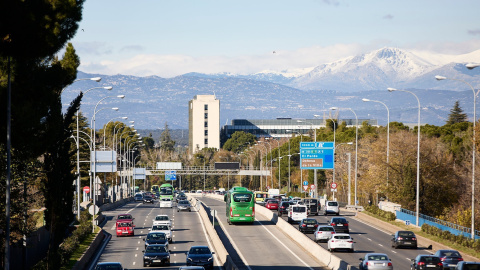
211 258
168 257
146 257
190 259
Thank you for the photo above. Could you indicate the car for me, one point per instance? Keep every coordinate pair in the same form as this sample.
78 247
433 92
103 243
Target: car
124 227
109 266
331 207
424 261
323 233
162 220
162 229
272 204
283 207
166 202
464 265
184 205
156 255
138 197
191 268
404 239
148 199
375 261
340 241
156 237
199 191
450 258
308 225
200 256
340 224
296 213
125 216
181 196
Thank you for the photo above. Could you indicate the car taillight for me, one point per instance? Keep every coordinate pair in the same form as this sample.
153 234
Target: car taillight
316 225
413 238
333 224
460 259
303 225
253 211
231 212
370 263
389 264
400 238
346 224
442 259
350 241
421 263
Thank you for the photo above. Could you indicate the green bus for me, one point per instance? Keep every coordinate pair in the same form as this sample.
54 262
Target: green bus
166 191
154 189
137 189
240 205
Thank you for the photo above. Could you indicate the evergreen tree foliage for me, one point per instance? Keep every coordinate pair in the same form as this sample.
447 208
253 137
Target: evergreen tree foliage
456 114
239 141
166 142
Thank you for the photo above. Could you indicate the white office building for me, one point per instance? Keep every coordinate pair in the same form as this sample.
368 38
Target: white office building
203 123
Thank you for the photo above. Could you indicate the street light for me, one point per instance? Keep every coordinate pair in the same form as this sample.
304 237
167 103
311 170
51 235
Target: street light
356 146
105 128
97 79
388 132
472 65
474 152
418 156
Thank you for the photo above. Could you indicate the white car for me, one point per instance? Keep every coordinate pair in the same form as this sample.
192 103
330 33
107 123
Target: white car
323 233
331 207
162 220
164 229
297 213
166 202
340 241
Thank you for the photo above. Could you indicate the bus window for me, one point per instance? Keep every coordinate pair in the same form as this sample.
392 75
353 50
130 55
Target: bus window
239 197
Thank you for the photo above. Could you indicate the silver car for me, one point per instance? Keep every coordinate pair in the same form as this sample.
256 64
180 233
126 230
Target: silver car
375 261
323 233
183 205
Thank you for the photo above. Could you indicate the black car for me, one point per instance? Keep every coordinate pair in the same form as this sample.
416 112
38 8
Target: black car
423 262
463 265
200 256
156 255
156 238
308 225
404 239
339 224
450 258
181 197
109 266
148 199
283 207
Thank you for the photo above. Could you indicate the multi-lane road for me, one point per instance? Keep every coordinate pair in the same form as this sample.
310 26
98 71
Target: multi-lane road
261 246
187 231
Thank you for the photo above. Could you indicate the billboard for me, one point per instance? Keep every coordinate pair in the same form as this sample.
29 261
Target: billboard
227 165
105 161
139 173
169 165
317 155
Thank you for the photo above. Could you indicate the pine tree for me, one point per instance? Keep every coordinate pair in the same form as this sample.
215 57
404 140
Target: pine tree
456 114
166 142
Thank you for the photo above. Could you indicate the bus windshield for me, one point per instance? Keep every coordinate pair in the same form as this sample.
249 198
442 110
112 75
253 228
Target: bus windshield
166 191
242 197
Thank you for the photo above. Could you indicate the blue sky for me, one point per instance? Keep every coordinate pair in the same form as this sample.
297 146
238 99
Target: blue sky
171 37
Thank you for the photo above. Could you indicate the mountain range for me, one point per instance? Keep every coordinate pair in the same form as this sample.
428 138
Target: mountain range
151 101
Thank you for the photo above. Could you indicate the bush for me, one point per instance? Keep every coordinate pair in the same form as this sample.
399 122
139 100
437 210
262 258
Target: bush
381 213
457 239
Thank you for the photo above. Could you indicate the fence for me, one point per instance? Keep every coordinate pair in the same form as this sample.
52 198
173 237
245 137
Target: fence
404 214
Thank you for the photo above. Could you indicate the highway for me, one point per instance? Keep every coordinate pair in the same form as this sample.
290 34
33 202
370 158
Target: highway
262 246
186 230
368 238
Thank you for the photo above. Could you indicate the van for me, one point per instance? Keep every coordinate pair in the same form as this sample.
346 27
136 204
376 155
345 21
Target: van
331 207
312 206
297 212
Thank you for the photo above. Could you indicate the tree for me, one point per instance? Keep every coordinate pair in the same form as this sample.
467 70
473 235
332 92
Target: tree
456 114
239 141
166 142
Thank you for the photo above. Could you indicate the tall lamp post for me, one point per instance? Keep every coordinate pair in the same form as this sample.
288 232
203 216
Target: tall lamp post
474 152
417 207
388 132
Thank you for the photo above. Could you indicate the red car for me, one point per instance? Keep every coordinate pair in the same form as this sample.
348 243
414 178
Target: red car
272 205
125 227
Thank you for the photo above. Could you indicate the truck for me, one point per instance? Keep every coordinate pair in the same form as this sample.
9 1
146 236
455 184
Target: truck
273 192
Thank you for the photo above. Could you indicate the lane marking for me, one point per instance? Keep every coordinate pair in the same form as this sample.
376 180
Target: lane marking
133 263
210 244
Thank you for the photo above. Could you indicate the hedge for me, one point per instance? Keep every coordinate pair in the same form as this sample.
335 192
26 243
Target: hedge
381 213
457 239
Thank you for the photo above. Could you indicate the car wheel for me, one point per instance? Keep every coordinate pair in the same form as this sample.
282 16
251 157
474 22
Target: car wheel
338 214
352 250
144 264
178 210
415 247
189 210
395 247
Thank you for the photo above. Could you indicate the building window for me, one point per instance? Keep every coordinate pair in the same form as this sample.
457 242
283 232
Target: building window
206 124
206 107
206 116
206 141
206 132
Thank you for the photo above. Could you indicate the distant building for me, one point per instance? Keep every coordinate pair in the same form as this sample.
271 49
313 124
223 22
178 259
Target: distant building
203 123
282 127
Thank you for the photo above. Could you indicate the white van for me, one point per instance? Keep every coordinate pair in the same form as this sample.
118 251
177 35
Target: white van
331 207
297 212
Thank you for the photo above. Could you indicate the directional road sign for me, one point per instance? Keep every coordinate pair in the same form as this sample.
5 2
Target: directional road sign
170 175
317 155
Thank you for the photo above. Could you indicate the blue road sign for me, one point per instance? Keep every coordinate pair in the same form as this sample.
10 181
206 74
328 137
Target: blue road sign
317 155
305 183
170 175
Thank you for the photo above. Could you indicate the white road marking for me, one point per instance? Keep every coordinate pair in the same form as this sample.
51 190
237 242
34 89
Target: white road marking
210 244
137 248
369 239
394 252
138 242
174 247
136 255
133 263
141 231
380 245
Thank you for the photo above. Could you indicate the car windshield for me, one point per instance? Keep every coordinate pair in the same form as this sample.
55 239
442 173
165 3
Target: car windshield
183 202
166 199
326 229
124 217
113 266
199 250
341 237
159 228
298 209
310 221
166 191
156 236
468 266
332 204
124 224
450 253
148 197
273 202
406 234
339 220
430 259
161 218
377 258
242 197
156 249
